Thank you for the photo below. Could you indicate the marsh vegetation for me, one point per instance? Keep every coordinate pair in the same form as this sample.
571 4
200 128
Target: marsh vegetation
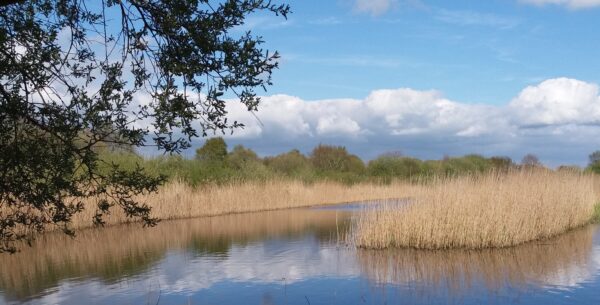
456 202
489 211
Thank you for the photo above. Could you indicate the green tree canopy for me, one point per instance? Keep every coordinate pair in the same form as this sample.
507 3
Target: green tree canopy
241 157
290 163
335 159
213 150
75 74
594 157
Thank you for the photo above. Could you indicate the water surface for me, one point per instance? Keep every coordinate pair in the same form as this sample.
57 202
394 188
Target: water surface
290 257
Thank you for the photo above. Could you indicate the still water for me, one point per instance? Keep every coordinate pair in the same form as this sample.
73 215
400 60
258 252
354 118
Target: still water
290 257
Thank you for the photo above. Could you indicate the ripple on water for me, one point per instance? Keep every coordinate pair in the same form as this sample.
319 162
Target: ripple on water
291 257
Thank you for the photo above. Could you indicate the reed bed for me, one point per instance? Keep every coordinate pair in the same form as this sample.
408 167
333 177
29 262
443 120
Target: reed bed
178 200
489 211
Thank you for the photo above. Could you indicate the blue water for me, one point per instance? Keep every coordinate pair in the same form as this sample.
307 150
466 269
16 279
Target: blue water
291 257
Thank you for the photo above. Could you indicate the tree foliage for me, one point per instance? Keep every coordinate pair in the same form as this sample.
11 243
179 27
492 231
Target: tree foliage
241 157
530 161
76 74
214 150
327 158
292 163
594 158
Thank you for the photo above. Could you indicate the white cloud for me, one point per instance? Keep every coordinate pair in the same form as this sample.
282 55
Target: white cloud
476 18
556 114
557 102
326 21
572 4
373 7
337 125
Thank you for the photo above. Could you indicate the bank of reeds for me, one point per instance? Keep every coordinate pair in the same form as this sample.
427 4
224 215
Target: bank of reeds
489 211
180 200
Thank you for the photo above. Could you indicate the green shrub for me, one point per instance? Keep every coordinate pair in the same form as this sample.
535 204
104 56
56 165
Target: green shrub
594 168
241 157
292 164
388 167
501 164
213 164
596 215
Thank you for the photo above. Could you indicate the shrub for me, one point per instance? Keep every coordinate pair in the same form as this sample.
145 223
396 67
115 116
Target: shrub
596 215
395 167
292 163
501 164
240 157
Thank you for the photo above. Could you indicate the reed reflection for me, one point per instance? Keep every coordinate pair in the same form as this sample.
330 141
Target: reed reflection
561 262
112 254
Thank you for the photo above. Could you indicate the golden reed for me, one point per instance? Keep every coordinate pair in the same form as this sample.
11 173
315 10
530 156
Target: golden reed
490 211
178 200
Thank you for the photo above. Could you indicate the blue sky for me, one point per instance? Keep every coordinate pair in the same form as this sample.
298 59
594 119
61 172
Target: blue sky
431 78
472 51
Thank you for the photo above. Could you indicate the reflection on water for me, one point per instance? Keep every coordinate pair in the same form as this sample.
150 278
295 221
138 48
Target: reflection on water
563 261
290 257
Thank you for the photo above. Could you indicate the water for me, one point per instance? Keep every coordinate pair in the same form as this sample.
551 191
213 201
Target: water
290 257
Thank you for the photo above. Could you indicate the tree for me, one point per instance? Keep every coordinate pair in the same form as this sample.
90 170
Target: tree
594 165
214 150
594 158
240 157
76 74
389 167
292 163
501 163
530 161
328 158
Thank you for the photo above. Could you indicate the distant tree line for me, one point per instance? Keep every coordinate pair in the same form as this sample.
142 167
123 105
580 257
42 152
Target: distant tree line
214 162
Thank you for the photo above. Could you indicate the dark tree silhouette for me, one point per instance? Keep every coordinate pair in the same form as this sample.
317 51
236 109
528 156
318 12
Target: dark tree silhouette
72 77
531 160
594 158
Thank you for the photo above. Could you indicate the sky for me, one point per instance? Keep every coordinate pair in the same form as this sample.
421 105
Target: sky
431 78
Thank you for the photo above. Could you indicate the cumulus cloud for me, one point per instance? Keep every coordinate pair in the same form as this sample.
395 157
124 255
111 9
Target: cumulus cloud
547 118
572 4
373 7
557 102
384 112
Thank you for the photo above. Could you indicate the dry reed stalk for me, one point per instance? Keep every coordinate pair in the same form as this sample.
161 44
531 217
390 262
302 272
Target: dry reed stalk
495 210
178 200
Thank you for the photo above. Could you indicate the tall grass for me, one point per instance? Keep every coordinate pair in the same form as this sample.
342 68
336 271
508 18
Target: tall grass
493 210
178 199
